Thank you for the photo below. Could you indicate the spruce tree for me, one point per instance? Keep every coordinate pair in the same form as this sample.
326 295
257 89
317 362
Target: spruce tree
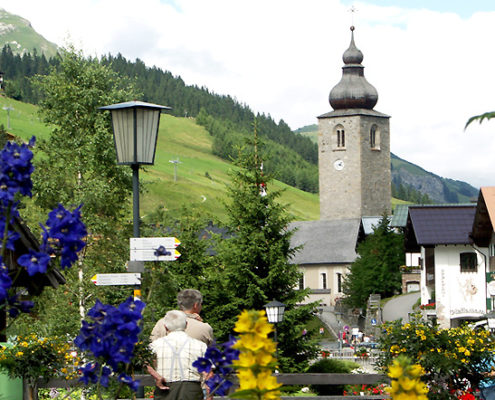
255 263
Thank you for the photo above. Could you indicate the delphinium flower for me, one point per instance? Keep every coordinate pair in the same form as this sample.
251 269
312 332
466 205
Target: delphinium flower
406 381
257 357
110 336
63 234
217 364
5 282
15 170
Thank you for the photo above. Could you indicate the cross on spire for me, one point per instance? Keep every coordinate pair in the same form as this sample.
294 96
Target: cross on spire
352 10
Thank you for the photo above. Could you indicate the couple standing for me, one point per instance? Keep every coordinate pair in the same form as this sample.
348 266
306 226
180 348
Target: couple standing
178 339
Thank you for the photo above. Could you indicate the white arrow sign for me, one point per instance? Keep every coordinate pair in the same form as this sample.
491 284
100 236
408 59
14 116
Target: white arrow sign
154 249
125 278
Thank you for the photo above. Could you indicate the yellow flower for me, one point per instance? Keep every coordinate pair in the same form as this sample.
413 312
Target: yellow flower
24 344
19 354
264 358
406 383
262 327
244 322
266 381
405 396
250 341
395 370
246 359
247 380
416 370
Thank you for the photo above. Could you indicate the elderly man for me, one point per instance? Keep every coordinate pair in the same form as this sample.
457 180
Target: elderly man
191 302
175 377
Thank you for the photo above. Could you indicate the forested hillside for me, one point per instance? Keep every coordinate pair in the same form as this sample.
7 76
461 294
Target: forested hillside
292 158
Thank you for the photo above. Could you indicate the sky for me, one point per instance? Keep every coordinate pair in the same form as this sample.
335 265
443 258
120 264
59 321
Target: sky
431 61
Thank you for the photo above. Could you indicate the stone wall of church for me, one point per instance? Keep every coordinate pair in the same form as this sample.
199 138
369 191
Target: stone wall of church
375 167
340 186
355 178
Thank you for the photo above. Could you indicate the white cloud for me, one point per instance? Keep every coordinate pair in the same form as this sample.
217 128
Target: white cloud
432 69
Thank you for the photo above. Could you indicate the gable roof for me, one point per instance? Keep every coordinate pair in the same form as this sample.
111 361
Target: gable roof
326 242
484 219
433 225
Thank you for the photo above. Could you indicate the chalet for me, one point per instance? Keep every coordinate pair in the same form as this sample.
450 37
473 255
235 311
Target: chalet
452 267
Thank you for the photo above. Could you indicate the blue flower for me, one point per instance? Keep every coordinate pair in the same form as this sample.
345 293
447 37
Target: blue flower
218 385
203 364
15 170
134 385
5 282
112 334
89 373
35 262
63 234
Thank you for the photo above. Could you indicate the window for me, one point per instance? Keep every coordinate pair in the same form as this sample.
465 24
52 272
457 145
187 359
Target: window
469 262
339 282
301 282
374 137
340 138
323 280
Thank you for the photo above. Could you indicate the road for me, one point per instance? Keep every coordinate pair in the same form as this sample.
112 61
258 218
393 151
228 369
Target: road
399 307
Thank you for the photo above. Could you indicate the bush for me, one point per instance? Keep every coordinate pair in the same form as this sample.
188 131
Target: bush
440 352
329 365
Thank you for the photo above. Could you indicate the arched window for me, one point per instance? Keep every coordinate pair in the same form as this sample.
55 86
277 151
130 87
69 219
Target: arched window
374 137
339 142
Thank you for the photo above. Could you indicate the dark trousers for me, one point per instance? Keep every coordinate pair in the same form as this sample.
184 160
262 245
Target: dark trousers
180 391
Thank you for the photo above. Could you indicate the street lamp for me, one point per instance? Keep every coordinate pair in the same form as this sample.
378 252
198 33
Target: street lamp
135 132
275 313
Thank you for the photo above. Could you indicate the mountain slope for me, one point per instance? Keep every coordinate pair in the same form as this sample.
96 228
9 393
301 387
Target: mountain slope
438 189
18 33
201 176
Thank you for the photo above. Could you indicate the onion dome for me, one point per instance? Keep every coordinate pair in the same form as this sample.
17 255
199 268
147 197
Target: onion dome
353 90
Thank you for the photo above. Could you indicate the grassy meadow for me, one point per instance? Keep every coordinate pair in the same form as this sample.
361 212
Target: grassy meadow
201 176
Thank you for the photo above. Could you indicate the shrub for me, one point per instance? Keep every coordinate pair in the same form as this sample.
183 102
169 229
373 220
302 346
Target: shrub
330 365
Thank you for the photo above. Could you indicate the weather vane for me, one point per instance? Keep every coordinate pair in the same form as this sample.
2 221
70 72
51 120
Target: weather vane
352 10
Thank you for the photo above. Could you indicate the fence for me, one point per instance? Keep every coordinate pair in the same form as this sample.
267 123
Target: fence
305 379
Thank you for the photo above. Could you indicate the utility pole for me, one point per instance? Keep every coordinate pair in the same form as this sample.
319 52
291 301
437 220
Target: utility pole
8 109
175 162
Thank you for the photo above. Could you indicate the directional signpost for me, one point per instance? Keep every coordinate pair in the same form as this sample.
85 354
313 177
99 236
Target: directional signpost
154 249
126 278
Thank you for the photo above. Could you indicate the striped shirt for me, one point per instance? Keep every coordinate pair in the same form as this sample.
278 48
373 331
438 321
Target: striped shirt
175 354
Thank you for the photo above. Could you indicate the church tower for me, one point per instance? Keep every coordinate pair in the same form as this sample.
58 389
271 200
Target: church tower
354 147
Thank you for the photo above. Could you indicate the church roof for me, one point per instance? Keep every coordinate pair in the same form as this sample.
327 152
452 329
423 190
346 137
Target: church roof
353 90
326 242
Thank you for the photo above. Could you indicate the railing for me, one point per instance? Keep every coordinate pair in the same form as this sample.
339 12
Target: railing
305 379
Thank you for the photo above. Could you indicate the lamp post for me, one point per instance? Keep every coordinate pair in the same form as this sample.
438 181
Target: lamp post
135 132
275 314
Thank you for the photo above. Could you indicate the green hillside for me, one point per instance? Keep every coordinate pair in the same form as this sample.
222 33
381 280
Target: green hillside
201 176
21 37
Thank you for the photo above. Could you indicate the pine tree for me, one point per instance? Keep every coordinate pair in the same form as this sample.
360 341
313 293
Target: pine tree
255 259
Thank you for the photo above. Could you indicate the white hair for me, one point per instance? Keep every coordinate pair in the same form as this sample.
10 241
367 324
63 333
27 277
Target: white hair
175 320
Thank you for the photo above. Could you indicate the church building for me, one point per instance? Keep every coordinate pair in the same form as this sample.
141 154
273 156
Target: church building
354 179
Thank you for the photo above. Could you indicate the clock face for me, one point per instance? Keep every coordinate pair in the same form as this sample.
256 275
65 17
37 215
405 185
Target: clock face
338 165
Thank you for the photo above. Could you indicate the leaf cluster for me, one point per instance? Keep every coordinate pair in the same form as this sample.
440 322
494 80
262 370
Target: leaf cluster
439 351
